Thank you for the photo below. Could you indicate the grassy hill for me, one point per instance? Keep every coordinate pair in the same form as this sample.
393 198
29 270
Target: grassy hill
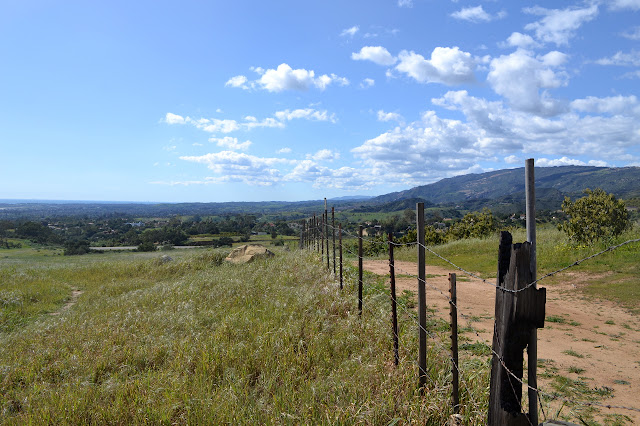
496 185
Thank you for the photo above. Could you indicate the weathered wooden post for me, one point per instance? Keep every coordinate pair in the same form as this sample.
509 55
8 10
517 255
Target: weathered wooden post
422 299
322 238
333 235
455 397
394 312
326 230
360 270
519 310
340 235
532 349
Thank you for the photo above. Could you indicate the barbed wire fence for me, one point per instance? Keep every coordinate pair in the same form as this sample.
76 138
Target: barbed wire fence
328 239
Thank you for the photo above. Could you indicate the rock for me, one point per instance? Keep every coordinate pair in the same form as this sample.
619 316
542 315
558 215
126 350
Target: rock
455 420
165 259
248 253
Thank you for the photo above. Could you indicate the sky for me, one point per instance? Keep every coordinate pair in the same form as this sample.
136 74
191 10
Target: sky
196 101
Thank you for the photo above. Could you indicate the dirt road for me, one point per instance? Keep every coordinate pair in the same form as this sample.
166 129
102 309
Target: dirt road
585 339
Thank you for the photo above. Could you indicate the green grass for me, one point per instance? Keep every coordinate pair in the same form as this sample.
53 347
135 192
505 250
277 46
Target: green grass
202 342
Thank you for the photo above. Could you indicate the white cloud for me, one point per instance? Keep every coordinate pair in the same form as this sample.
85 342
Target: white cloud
447 65
632 34
306 113
240 167
625 4
520 77
405 3
238 81
631 74
350 31
517 39
214 125
367 82
476 14
174 119
565 161
622 59
286 78
389 116
324 155
502 129
231 143
616 105
376 54
285 150
512 159
558 26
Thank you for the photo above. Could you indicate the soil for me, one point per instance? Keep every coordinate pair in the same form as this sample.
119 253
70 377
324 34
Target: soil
606 336
75 293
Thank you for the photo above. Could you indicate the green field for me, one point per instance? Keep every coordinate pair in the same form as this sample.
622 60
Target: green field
127 338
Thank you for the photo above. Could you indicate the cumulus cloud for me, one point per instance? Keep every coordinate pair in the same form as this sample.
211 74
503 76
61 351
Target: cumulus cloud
565 161
350 31
173 119
616 105
376 54
522 79
389 116
240 167
447 65
324 155
517 39
286 78
559 26
476 14
405 3
512 159
238 81
502 129
231 143
285 150
367 82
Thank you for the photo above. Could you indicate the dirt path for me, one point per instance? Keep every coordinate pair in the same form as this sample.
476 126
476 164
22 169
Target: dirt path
595 336
75 293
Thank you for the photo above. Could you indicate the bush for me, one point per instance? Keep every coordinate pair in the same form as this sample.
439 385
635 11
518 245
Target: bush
147 246
594 216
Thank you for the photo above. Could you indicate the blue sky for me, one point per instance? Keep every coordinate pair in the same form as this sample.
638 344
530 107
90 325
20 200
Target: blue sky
290 100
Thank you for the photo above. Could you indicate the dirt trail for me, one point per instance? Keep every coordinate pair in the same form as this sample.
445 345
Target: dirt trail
75 293
605 335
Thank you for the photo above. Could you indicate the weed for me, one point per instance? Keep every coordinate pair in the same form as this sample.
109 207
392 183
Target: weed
571 352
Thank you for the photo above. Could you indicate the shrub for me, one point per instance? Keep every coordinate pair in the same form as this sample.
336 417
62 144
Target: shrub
594 216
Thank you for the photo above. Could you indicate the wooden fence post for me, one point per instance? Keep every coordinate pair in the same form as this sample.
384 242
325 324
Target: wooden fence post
322 238
532 349
360 270
422 300
340 235
455 397
315 233
516 315
333 235
394 312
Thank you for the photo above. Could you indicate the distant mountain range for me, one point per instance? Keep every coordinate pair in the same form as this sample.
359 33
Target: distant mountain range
502 191
552 183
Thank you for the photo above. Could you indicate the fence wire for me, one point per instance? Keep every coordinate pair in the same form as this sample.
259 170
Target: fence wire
435 338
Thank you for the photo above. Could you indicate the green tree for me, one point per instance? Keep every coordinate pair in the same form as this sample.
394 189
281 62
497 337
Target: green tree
596 215
473 225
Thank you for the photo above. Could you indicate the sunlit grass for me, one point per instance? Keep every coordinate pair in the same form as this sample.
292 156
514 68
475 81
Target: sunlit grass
199 341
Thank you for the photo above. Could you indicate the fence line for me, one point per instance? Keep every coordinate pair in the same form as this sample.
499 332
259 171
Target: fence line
410 315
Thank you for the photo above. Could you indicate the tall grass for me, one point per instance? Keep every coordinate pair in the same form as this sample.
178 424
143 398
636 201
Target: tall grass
200 341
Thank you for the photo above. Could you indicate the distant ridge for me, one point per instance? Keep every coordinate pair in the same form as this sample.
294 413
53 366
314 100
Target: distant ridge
623 182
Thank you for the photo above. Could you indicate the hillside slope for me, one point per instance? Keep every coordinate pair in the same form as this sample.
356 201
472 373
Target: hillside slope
569 180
